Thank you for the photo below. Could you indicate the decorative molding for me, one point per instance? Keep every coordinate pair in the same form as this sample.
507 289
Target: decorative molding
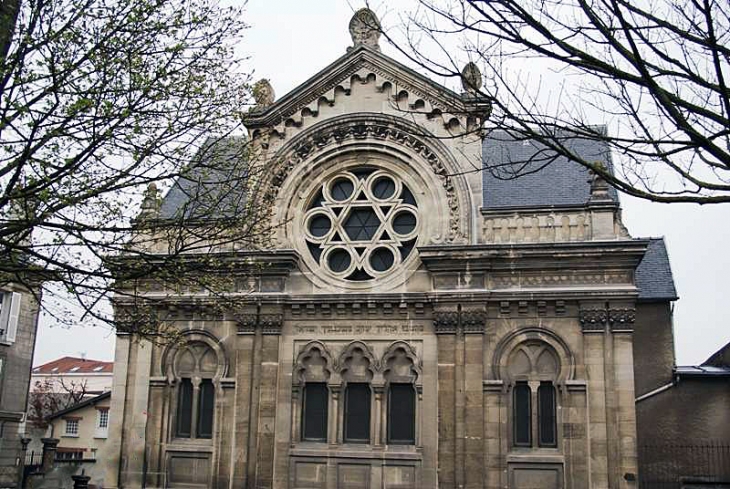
515 280
504 308
593 320
621 320
247 323
534 227
445 322
541 308
357 308
377 130
473 321
271 323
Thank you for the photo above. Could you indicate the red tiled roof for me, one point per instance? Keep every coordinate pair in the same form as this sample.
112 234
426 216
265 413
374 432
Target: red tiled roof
73 365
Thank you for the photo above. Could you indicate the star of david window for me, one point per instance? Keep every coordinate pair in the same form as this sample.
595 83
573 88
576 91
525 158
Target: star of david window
361 224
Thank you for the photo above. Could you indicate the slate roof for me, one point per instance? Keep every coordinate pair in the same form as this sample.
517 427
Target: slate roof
74 365
213 184
545 178
654 275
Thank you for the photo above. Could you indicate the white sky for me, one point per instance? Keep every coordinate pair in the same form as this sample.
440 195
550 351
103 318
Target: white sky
291 40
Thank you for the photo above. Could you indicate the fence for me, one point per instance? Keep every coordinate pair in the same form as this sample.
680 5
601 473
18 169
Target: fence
701 466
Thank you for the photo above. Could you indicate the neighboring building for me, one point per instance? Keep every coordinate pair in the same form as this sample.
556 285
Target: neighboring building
92 377
19 306
684 427
416 324
82 429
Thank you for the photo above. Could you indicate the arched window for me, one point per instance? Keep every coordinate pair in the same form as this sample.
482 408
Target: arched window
357 374
400 375
196 366
534 368
313 372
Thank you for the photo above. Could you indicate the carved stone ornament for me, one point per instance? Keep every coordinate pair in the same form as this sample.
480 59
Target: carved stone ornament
473 321
247 324
593 319
365 29
362 130
263 93
622 319
271 323
471 78
445 322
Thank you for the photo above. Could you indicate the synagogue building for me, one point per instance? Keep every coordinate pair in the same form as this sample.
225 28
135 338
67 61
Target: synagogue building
415 320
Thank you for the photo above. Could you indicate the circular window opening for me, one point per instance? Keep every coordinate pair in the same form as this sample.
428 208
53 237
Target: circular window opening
339 260
361 223
404 223
320 225
381 259
341 189
383 188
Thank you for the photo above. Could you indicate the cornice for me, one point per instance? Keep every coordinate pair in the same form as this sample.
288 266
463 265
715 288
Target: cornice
625 254
339 72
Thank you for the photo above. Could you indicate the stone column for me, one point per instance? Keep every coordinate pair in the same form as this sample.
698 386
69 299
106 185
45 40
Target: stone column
49 453
473 326
445 323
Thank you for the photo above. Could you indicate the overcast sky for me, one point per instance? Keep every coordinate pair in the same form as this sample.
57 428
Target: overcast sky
291 40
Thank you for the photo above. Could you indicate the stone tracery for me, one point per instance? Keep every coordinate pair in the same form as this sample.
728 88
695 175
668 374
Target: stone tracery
361 223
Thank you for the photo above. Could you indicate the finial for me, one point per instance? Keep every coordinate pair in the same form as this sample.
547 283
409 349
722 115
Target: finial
263 93
599 185
365 29
150 203
471 78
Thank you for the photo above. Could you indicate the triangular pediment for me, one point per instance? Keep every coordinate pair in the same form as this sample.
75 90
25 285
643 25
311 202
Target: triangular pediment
410 90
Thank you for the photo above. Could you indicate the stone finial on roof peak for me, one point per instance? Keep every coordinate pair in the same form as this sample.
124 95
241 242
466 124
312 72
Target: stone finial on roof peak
471 78
263 93
365 29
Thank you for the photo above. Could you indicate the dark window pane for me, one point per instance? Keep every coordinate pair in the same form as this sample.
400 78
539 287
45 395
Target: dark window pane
522 414
206 403
357 413
342 189
184 408
404 223
381 259
383 188
402 414
314 412
362 224
320 225
546 415
339 260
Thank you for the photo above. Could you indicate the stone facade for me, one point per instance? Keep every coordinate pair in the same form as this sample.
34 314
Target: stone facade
19 318
508 332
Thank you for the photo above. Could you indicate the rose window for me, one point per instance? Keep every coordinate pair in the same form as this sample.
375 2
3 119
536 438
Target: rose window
361 224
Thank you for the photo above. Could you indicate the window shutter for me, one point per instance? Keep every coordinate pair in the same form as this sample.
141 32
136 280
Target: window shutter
12 325
522 413
357 413
206 409
314 414
184 409
547 425
402 414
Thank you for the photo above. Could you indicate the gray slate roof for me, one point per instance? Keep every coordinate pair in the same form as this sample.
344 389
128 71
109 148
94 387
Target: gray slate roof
213 185
545 179
654 275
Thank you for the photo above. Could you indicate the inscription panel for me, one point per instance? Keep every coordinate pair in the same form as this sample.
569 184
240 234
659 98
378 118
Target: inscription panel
356 330
188 469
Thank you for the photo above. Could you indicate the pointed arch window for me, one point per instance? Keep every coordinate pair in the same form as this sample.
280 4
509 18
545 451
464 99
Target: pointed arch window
195 367
534 366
